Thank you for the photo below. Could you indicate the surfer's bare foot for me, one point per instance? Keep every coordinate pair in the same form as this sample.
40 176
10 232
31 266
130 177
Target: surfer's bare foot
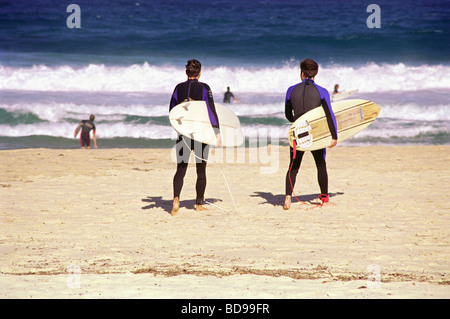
199 208
175 207
287 202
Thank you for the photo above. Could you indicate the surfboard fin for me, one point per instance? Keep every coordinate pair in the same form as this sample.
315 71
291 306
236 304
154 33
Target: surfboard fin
179 120
185 106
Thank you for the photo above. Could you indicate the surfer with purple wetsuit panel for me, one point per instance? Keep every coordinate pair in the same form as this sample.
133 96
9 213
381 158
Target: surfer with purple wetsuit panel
301 98
192 89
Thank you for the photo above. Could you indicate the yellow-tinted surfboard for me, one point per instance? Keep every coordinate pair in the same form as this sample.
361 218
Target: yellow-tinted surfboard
311 130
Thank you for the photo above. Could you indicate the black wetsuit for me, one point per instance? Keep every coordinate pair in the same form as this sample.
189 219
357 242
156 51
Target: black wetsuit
227 97
301 98
86 127
197 91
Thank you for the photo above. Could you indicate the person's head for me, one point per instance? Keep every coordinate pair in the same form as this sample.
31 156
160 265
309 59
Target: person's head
309 68
228 88
193 68
92 117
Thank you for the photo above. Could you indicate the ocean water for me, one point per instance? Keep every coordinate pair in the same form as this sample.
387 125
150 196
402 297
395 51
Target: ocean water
124 61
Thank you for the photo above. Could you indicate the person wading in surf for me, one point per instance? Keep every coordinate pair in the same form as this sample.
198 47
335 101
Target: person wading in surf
86 126
301 98
228 95
192 89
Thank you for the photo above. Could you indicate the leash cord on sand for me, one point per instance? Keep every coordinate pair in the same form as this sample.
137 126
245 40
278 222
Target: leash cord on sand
226 182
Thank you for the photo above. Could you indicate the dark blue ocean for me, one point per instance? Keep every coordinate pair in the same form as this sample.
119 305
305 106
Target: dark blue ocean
125 58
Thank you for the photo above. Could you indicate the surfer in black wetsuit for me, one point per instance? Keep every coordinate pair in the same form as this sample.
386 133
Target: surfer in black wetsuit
228 95
192 89
301 98
86 126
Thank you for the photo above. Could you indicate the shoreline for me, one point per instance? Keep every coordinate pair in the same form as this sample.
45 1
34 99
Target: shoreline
106 211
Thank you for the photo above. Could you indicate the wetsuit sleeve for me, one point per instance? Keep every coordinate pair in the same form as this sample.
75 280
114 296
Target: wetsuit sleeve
331 119
208 98
288 106
173 99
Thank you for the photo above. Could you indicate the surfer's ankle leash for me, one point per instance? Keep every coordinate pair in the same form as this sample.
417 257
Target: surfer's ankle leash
324 198
226 182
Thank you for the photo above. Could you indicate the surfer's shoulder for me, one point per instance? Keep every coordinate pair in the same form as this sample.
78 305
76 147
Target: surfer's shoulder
323 92
206 86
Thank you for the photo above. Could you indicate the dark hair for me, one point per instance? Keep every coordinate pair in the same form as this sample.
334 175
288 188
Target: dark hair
193 68
309 67
92 117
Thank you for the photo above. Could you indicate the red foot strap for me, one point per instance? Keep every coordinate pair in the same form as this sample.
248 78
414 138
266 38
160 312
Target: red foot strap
324 198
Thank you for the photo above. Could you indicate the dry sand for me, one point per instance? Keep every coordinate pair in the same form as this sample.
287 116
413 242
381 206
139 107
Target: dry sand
96 224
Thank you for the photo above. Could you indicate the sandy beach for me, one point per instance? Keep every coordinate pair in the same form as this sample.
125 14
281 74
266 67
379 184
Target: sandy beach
97 224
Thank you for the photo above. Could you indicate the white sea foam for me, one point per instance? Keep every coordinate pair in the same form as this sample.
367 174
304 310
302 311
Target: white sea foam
258 121
54 112
257 133
406 111
413 111
162 79
111 130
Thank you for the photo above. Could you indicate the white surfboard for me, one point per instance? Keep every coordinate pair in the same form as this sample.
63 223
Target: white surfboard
342 95
191 119
311 132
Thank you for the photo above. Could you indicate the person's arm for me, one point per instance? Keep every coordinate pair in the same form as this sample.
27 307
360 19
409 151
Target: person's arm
218 140
214 119
173 99
234 98
77 130
94 138
288 106
333 143
331 119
